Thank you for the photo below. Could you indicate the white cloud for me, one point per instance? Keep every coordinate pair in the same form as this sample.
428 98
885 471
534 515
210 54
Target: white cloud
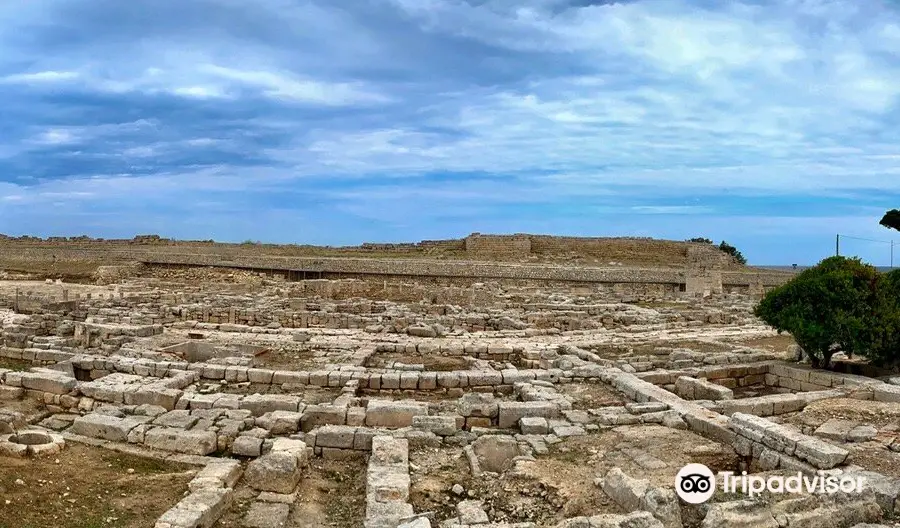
290 87
41 77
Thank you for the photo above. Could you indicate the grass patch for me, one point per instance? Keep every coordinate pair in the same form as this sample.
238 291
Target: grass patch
17 365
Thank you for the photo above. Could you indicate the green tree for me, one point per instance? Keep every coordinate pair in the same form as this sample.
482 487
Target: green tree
885 349
733 251
891 219
700 240
836 305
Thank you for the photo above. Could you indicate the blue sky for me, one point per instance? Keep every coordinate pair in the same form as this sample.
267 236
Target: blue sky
773 125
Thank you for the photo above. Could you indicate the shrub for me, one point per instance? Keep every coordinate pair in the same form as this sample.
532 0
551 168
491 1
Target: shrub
836 303
733 251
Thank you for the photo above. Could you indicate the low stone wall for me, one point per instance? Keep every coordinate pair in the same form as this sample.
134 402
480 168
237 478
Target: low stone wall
700 389
801 378
774 446
387 483
211 493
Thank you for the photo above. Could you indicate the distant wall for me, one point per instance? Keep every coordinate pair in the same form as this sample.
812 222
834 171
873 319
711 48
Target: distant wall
503 246
679 266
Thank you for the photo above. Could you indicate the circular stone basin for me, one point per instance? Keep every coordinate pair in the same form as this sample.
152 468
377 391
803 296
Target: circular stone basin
33 443
31 438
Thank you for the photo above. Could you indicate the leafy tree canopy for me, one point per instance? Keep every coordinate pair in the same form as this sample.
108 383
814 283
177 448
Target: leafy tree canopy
733 251
891 219
840 304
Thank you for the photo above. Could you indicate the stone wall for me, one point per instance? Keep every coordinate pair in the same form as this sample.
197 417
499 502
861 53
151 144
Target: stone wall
62 259
502 246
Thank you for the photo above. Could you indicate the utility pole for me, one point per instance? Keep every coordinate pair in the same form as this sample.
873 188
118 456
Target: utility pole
837 246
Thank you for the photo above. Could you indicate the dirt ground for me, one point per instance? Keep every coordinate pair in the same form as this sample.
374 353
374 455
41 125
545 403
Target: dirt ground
14 364
88 487
591 395
778 343
289 358
873 455
560 484
331 493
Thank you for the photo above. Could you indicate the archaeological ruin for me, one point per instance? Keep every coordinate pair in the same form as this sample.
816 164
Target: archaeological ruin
492 381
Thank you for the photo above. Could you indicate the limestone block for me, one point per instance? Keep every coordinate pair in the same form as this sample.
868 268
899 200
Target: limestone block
887 393
260 376
267 515
745 513
510 413
387 450
280 422
52 381
317 415
390 380
103 427
387 483
179 419
178 441
471 512
336 436
384 413
820 454
260 404
200 509
219 474
534 425
245 445
835 429
479 405
496 452
439 425
277 471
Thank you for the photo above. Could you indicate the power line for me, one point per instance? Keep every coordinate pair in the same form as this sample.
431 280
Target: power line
868 239
837 247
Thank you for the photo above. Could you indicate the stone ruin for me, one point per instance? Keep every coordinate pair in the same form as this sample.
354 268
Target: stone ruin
510 405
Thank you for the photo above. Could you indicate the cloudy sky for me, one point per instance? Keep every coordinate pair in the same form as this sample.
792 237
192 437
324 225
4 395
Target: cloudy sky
771 124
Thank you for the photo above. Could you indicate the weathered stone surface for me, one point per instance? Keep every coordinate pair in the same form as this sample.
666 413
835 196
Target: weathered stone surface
471 512
510 413
439 425
534 425
280 422
267 515
496 452
336 436
395 414
779 438
202 508
701 389
636 494
219 474
45 380
246 445
277 471
739 514
178 441
103 427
